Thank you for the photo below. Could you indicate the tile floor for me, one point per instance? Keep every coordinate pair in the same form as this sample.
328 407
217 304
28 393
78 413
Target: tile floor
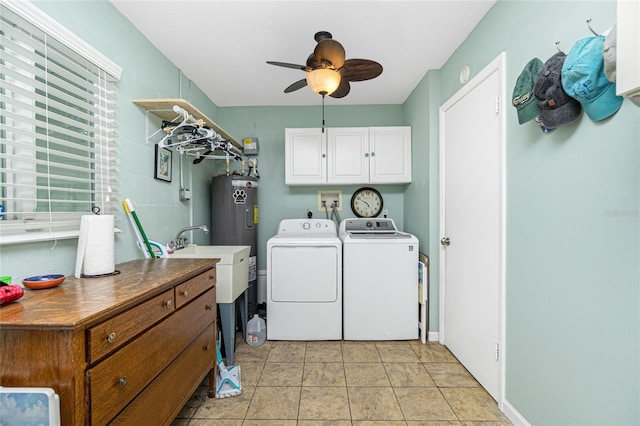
347 383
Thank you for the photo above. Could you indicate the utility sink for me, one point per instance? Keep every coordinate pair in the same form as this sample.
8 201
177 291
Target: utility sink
232 271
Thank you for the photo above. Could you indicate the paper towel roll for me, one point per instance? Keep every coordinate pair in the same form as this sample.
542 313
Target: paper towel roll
96 255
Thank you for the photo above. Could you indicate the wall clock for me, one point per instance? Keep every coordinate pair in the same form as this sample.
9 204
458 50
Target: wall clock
366 202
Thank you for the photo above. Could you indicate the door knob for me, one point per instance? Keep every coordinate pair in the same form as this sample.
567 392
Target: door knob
445 241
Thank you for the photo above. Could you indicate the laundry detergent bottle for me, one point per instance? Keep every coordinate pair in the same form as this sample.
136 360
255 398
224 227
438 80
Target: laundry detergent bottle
256 331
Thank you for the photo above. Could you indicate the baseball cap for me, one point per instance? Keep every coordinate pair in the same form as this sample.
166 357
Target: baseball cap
523 99
583 79
556 107
609 55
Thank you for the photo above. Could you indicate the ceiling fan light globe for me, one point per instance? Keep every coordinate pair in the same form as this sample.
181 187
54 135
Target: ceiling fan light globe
323 81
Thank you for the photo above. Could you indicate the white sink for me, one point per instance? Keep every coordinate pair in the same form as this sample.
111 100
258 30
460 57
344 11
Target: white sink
232 271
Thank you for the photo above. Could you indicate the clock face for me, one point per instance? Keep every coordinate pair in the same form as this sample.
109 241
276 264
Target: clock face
366 202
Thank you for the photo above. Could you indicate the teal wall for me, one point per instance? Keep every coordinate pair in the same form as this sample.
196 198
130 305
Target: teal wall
573 234
573 201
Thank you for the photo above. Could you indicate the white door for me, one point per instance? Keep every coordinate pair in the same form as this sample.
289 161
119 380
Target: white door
472 219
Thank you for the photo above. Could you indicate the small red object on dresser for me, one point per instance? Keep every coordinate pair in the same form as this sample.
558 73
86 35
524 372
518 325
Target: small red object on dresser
10 293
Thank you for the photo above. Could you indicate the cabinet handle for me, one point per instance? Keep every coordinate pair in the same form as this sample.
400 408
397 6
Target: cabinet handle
209 307
324 155
168 303
111 337
373 154
366 155
207 348
185 293
122 381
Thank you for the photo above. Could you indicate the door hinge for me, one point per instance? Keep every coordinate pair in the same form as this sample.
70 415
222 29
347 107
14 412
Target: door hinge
497 105
497 351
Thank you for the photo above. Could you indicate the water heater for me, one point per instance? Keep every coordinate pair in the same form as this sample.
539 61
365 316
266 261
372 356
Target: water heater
234 221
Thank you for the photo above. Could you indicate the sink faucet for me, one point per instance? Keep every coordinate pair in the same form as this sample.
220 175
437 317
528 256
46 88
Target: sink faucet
180 242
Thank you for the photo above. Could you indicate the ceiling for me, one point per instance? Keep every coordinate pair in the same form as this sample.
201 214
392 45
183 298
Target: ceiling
222 46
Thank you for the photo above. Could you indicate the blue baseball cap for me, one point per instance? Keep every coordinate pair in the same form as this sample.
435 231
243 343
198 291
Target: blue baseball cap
583 79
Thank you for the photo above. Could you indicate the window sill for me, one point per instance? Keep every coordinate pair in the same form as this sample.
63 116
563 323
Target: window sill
38 236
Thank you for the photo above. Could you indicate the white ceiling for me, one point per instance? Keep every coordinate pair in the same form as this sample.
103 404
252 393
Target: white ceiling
222 46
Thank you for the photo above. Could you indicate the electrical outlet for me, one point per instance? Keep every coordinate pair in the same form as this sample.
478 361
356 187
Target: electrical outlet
185 194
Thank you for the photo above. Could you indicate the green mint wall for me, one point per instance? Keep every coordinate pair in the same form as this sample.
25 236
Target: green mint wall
573 233
573 266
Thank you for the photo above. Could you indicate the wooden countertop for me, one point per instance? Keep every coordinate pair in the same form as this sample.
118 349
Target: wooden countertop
80 303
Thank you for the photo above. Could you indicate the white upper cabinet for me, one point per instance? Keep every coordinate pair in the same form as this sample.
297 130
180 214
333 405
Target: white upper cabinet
348 155
305 157
390 154
628 48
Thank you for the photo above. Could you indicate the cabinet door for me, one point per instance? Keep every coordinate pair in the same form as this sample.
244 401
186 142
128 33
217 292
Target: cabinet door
628 48
348 155
390 154
305 157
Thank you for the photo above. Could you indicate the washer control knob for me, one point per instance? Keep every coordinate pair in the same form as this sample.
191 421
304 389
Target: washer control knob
369 224
306 225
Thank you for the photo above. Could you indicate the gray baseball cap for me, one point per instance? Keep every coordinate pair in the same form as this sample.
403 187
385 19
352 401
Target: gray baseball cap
556 107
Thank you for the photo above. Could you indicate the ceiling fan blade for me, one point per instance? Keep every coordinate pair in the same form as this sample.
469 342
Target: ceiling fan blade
342 90
295 86
330 50
360 69
287 65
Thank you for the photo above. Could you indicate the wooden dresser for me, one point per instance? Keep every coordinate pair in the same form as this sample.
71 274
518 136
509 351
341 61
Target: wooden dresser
125 349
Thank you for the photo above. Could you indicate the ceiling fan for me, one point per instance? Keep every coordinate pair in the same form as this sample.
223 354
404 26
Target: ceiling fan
328 73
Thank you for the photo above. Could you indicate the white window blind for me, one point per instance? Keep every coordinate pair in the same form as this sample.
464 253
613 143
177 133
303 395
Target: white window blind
57 132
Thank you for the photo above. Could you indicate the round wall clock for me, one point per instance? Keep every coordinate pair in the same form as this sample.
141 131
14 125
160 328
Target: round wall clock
366 202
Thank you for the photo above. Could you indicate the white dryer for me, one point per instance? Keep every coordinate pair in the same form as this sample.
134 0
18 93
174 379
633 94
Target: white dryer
304 281
380 280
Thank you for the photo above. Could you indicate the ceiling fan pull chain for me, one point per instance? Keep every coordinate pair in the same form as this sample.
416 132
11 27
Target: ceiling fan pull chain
323 113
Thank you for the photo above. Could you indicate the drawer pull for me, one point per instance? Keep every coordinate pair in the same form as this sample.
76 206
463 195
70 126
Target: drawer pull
209 307
168 303
111 337
185 293
122 381
210 277
207 348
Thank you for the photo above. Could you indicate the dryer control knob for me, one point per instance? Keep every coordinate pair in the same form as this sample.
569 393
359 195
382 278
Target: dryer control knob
306 225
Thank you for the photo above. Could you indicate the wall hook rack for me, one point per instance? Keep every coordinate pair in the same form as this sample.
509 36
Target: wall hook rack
590 28
558 47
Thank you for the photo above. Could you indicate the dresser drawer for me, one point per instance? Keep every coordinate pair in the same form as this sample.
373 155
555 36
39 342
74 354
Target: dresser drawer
113 333
180 378
191 289
116 380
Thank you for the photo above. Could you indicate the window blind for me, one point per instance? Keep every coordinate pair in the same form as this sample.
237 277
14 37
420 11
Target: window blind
57 131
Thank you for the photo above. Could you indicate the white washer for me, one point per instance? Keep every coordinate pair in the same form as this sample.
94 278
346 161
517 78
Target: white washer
304 281
380 280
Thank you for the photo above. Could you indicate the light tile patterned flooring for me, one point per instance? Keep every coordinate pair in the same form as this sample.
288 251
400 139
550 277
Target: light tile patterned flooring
347 383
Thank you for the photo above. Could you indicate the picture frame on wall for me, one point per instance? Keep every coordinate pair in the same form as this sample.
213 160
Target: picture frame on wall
163 164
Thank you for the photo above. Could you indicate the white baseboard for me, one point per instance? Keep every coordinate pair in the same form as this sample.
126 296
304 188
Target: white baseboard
512 414
433 336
